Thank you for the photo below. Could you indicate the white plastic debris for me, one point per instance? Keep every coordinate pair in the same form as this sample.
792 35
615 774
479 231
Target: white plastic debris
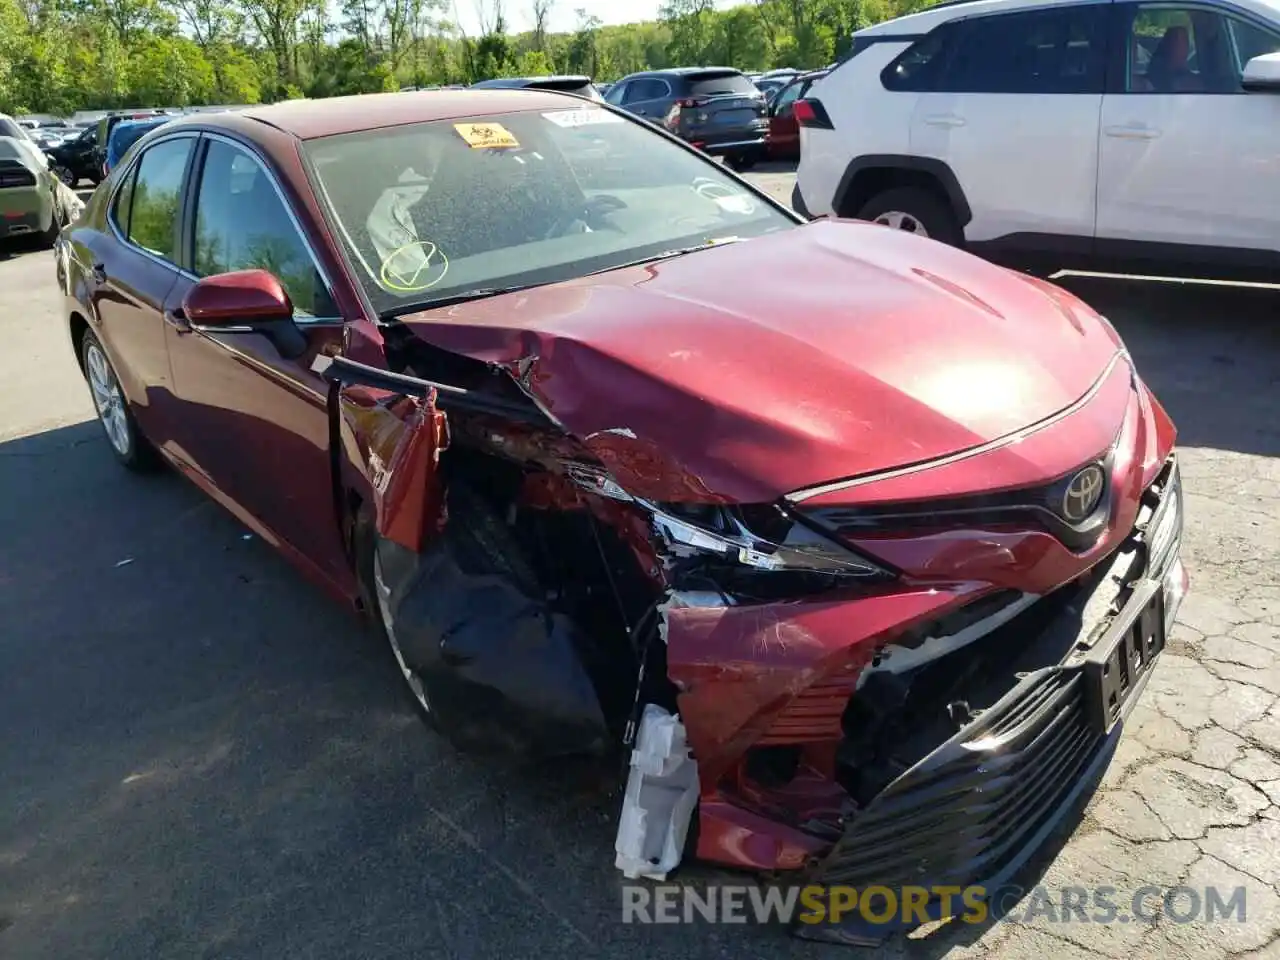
662 790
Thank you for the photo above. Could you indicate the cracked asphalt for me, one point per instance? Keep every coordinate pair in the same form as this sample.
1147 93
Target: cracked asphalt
201 756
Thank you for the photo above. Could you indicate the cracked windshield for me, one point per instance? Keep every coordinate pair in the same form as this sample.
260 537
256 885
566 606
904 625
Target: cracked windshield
438 209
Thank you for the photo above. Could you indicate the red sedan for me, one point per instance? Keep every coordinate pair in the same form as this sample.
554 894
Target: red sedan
782 142
865 565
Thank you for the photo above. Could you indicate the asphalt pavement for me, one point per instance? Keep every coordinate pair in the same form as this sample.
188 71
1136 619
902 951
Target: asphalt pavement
202 756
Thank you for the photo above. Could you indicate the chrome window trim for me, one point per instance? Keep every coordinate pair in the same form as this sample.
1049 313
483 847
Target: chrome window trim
293 218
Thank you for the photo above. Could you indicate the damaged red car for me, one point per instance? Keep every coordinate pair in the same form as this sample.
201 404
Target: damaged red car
863 547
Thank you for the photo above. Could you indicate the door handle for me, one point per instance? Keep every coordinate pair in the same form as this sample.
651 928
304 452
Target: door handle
99 272
1132 131
944 120
177 318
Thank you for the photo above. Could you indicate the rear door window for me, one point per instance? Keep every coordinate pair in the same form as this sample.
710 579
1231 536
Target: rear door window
647 88
157 196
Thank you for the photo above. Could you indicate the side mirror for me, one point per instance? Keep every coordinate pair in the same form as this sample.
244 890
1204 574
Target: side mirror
1262 74
245 301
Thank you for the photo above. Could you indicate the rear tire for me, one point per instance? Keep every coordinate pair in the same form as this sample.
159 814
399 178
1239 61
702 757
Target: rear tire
128 445
915 210
741 162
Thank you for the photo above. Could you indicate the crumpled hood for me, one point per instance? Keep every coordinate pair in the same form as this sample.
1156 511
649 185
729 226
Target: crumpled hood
754 369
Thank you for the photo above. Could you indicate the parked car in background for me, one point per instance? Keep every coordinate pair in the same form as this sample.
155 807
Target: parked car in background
29 199
108 123
716 109
10 127
577 85
125 134
77 158
863 546
769 86
1140 135
783 139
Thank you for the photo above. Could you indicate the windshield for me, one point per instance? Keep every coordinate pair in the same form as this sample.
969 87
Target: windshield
434 210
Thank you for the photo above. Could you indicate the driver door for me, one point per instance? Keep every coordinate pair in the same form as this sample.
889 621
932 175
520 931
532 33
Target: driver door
255 425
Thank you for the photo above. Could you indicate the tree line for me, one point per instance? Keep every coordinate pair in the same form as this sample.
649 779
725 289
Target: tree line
59 56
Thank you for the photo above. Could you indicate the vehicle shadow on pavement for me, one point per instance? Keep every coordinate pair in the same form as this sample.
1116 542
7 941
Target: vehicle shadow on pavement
1211 355
204 756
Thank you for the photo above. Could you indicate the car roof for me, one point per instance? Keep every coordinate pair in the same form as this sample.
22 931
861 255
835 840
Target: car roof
309 119
683 71
931 17
520 81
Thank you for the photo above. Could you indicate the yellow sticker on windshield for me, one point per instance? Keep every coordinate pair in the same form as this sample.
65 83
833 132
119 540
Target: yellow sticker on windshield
489 135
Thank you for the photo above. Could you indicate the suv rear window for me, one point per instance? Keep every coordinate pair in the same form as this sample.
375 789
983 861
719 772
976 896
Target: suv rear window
713 83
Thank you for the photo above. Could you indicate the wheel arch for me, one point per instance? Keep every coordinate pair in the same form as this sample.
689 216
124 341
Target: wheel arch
78 326
871 174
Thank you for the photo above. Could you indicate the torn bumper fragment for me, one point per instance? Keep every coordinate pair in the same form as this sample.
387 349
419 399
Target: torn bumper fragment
662 791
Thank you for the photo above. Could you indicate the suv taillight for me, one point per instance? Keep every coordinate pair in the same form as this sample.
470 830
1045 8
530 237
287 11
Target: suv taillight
811 113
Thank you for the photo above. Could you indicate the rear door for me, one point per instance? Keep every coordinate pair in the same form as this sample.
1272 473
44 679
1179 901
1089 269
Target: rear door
1188 157
648 97
134 267
1013 108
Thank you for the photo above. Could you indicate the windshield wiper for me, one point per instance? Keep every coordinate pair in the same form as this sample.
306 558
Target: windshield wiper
483 293
668 254
480 293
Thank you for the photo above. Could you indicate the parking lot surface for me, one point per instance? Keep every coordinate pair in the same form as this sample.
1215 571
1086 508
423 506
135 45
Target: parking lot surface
201 756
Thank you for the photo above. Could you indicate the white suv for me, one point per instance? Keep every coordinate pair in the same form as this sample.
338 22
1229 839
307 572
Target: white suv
1144 133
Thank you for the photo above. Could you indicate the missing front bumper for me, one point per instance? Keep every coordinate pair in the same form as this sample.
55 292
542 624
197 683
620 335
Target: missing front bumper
975 810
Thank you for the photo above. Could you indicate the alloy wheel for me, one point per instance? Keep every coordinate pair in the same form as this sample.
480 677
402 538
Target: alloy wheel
900 220
108 399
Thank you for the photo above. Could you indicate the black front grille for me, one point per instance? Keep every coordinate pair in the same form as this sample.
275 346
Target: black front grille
1040 506
967 813
14 174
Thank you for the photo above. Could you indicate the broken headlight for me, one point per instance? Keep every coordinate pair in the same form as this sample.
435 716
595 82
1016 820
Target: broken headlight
763 537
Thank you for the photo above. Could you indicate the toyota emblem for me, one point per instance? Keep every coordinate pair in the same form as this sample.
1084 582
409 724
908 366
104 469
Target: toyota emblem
1083 493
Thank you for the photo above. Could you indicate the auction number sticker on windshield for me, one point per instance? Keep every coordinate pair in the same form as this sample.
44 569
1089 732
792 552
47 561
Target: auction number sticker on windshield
482 135
581 118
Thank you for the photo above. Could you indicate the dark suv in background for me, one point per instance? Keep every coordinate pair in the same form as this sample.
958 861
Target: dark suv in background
716 109
581 86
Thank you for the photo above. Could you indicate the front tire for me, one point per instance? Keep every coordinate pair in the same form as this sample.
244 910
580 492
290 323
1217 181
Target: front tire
478 540
741 162
914 210
126 441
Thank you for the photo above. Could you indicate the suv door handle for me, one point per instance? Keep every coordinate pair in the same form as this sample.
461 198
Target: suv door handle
944 120
1132 131
99 272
